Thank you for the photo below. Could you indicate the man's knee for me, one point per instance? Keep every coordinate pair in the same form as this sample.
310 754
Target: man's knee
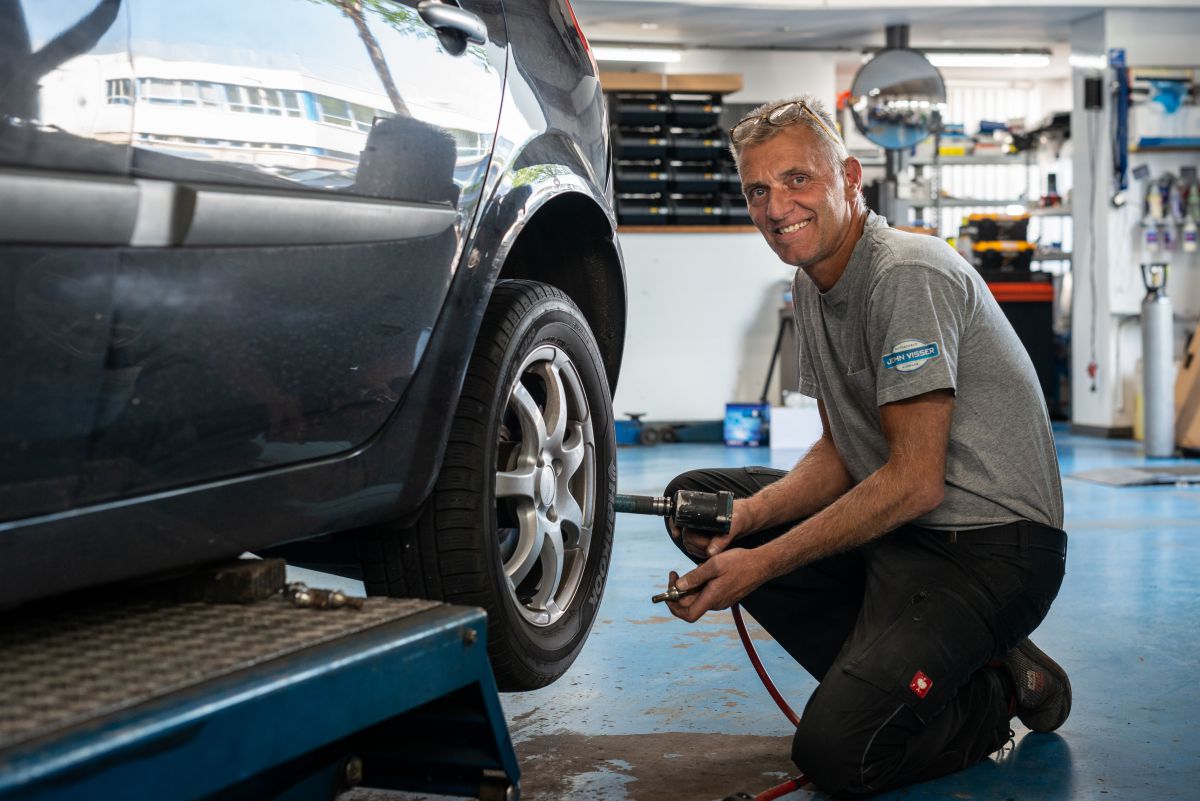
827 756
848 755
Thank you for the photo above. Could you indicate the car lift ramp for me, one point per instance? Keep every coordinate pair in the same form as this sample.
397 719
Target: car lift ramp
163 700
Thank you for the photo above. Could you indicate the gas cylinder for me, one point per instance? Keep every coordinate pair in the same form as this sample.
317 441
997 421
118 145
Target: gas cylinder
1158 353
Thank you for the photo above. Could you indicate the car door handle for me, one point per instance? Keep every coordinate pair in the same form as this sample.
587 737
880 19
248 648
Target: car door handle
441 15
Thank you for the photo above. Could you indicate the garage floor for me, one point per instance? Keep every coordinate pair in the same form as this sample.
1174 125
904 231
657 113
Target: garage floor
657 709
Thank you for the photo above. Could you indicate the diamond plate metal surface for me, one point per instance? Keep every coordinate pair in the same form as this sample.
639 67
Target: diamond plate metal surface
69 666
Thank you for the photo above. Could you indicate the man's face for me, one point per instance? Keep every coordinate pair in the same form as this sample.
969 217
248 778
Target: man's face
802 205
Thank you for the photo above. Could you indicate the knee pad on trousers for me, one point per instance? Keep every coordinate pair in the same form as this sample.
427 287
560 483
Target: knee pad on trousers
846 763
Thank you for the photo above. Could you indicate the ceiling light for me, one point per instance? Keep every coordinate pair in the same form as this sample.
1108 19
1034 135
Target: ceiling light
649 26
1026 60
658 55
1086 62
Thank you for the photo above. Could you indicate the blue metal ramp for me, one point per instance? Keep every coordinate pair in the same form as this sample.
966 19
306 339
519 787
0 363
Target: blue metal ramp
172 701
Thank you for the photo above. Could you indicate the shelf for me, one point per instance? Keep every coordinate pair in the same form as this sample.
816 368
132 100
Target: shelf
927 161
716 83
1051 211
1141 151
1052 255
687 229
962 202
946 161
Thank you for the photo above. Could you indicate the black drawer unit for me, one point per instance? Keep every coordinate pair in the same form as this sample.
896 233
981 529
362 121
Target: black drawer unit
633 144
697 211
700 113
643 178
696 178
642 210
697 146
672 160
641 109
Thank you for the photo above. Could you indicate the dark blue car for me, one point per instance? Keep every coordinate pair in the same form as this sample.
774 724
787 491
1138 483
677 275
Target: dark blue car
329 278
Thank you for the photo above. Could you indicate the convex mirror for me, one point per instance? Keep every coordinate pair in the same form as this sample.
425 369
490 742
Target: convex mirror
897 98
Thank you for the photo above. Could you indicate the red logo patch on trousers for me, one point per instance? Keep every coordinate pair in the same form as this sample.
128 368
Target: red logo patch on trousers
920 684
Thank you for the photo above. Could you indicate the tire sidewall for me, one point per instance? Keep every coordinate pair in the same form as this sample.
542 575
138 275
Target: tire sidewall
556 321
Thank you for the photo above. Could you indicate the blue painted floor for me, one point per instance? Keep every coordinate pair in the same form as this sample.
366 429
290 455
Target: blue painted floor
657 709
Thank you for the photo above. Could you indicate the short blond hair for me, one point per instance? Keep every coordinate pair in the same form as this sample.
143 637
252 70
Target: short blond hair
817 120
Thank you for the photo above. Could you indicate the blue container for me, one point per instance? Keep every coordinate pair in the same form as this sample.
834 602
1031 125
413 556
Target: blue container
747 424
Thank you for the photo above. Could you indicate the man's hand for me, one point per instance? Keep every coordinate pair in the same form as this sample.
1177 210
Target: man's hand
722 581
705 544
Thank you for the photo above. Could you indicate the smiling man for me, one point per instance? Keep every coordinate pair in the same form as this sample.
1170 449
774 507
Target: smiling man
906 558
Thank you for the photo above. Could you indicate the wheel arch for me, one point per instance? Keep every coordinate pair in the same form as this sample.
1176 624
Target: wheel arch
572 222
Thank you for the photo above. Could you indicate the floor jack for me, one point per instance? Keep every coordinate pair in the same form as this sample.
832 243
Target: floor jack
229 685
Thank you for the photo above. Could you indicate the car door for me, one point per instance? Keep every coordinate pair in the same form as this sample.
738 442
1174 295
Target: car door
66 203
307 170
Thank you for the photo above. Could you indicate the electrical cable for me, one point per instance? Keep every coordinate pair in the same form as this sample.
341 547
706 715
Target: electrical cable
798 781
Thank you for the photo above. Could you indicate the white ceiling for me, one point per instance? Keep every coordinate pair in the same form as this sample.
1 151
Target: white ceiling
837 24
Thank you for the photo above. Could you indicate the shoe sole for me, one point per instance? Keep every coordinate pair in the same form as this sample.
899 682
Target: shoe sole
1038 656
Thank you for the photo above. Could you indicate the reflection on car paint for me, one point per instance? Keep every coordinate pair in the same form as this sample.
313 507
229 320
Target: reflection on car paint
201 363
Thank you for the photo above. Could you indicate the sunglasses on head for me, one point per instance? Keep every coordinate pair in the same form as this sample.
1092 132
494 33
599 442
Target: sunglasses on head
783 114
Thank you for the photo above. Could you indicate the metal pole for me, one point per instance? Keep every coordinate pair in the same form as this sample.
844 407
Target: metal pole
897 36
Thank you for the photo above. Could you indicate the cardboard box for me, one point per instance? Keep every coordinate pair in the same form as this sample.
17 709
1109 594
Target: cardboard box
794 428
1187 398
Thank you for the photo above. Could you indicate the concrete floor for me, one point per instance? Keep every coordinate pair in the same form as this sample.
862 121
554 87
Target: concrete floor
655 709
658 709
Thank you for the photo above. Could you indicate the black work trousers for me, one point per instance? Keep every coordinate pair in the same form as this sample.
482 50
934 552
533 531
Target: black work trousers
900 633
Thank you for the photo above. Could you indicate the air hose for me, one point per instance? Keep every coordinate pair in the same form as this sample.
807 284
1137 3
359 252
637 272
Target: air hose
798 781
712 512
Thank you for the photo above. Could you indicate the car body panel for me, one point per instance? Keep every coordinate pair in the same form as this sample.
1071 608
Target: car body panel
251 347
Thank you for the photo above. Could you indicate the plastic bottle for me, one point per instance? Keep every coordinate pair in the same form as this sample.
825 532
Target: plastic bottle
1191 217
1150 239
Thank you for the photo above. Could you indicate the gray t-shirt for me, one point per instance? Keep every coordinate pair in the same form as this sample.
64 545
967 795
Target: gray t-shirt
910 316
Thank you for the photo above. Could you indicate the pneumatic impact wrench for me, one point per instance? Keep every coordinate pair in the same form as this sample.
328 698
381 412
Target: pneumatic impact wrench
710 512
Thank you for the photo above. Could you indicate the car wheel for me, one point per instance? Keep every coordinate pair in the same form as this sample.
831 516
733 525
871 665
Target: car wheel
520 521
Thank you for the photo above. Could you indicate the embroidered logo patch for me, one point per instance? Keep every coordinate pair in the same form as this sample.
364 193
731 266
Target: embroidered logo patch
910 354
920 684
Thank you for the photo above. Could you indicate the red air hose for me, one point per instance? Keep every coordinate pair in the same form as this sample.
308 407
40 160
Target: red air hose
796 782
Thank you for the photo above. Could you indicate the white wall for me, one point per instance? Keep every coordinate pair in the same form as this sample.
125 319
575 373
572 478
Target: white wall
702 322
1108 287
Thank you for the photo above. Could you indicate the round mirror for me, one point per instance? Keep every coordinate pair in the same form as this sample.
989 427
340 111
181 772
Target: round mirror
897 98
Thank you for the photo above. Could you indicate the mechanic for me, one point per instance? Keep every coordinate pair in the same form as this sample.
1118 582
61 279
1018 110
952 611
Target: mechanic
904 560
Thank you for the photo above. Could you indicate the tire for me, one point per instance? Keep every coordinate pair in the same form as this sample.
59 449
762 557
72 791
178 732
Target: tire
520 520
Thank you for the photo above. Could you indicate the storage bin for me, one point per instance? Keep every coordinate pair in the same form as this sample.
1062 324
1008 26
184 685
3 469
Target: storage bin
993 227
696 180
641 144
642 178
693 211
647 109
642 211
696 147
695 113
1003 256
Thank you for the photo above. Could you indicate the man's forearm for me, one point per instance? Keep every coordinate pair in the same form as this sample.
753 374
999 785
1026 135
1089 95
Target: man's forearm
816 481
886 500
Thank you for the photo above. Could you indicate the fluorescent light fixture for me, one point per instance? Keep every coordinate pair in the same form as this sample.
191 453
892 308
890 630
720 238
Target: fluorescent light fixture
986 60
657 55
1085 61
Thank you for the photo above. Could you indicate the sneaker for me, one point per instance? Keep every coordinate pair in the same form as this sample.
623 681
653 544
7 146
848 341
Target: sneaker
1043 691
